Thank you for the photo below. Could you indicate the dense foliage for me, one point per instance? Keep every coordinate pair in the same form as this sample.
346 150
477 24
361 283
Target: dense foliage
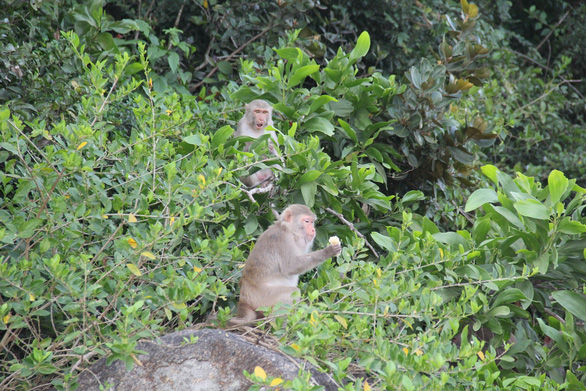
122 216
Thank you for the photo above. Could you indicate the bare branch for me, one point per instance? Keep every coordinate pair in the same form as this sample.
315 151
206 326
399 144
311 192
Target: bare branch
349 224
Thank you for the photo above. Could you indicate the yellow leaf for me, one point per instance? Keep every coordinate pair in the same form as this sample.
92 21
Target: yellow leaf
219 170
296 347
31 297
386 311
149 255
168 313
179 306
464 84
406 351
276 381
6 319
132 243
172 220
481 355
80 146
205 4
105 217
418 352
169 112
375 282
379 273
366 386
131 218
197 269
342 321
441 253
202 179
473 10
133 269
259 372
151 83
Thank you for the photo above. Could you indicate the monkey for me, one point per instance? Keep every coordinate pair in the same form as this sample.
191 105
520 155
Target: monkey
280 255
257 116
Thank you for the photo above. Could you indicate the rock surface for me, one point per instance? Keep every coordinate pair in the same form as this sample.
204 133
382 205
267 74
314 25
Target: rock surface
214 362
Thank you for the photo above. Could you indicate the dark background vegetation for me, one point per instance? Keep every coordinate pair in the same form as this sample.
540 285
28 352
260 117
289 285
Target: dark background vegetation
442 141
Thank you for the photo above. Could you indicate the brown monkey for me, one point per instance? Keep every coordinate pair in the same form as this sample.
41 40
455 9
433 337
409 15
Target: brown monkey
258 115
280 255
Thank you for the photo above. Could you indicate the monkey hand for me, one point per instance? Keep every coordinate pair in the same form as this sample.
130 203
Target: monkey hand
334 249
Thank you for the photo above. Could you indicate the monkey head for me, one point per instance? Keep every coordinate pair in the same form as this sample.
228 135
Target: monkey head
258 114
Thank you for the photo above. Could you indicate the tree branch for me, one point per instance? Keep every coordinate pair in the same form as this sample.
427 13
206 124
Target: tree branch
231 56
349 224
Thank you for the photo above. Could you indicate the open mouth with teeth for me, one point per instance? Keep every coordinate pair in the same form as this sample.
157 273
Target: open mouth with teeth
259 125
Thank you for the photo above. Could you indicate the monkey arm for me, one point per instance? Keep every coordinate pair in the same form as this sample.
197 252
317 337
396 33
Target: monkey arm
306 262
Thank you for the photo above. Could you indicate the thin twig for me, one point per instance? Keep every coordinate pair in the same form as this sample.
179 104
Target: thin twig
241 48
552 30
551 70
349 224
545 94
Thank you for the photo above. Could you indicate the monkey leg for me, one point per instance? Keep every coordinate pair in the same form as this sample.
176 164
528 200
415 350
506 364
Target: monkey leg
245 314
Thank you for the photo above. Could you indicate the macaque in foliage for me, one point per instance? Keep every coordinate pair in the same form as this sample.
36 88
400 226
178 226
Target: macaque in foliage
280 255
258 115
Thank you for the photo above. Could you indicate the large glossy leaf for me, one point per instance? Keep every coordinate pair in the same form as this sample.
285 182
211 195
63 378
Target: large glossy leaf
509 295
320 124
221 135
479 198
574 302
384 241
557 184
361 48
309 176
532 208
301 74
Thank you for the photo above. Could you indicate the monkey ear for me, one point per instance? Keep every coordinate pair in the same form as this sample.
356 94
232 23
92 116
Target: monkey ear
246 106
287 216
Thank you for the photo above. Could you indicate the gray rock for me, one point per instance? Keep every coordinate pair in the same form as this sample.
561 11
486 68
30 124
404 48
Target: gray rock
214 362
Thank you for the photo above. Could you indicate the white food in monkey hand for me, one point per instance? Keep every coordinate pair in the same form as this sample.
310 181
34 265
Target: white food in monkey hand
334 240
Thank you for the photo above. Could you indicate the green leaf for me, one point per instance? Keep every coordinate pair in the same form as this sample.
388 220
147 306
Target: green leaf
479 198
319 102
173 61
571 227
361 48
301 74
9 147
320 124
451 238
412 196
194 139
509 295
133 68
133 269
557 184
309 176
499 311
490 171
348 130
532 208
225 67
221 135
461 156
384 241
308 191
573 302
288 53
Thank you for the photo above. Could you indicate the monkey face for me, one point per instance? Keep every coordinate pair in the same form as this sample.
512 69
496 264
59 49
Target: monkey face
260 118
307 222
